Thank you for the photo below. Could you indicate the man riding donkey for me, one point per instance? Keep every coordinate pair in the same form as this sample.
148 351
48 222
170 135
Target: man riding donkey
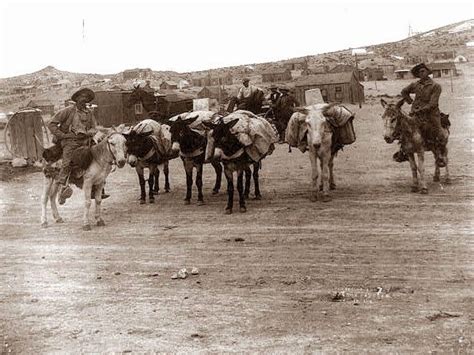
425 108
249 98
73 127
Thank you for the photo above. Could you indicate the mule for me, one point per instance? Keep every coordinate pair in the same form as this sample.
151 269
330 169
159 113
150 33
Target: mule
148 146
111 150
191 145
407 129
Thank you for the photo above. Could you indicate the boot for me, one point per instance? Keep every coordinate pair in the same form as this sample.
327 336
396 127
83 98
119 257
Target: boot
400 156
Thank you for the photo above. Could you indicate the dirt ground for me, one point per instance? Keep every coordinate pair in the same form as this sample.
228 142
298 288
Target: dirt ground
378 269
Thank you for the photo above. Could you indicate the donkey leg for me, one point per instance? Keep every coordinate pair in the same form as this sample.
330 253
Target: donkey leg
314 176
156 181
447 178
256 168
325 177
218 169
87 189
44 200
240 188
54 207
199 184
248 177
98 201
166 171
151 183
414 173
332 184
230 190
188 167
141 181
421 170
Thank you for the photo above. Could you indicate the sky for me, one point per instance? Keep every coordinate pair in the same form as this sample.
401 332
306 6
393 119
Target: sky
107 37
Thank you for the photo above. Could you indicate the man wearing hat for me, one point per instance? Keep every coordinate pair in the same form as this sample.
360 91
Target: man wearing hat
425 106
72 127
274 95
244 97
284 108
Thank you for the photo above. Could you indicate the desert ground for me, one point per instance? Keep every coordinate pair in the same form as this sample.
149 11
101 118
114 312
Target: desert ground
376 270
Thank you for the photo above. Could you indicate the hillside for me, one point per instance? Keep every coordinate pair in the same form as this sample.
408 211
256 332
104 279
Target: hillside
57 85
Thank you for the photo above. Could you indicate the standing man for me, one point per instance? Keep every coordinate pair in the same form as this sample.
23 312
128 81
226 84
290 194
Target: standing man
284 108
425 108
72 127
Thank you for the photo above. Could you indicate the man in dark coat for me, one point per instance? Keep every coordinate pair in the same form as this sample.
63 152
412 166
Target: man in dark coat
72 128
425 107
284 108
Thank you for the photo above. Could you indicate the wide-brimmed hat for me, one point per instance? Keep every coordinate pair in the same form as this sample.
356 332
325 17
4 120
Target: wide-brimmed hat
245 80
415 70
90 94
283 88
273 87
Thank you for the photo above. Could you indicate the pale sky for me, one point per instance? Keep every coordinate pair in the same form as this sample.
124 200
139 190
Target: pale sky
188 36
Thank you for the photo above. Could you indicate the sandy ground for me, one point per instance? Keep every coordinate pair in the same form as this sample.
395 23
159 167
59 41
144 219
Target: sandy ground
378 269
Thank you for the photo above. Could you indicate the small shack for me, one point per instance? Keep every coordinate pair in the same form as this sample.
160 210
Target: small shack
45 105
213 92
173 104
403 74
113 108
335 87
24 135
168 85
443 70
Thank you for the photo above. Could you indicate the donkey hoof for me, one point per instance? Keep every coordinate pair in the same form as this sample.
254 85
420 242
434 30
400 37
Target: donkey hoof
152 200
44 224
424 191
435 178
60 220
228 211
258 197
187 202
326 198
142 201
86 227
414 189
200 203
332 186
100 223
447 181
215 191
242 209
167 190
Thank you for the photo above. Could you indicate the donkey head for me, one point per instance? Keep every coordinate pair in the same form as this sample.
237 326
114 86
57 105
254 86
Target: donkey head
319 131
221 140
118 147
182 136
391 118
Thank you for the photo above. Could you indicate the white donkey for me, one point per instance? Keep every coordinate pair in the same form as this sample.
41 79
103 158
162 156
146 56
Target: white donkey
109 151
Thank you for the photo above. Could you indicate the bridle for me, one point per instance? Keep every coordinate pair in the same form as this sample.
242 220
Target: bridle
109 148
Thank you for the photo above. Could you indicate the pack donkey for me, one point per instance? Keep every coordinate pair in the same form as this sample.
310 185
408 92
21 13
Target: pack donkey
407 129
149 146
191 140
111 150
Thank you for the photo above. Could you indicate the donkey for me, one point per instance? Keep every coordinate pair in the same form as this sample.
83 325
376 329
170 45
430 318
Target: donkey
148 146
311 123
109 151
406 129
191 145
224 145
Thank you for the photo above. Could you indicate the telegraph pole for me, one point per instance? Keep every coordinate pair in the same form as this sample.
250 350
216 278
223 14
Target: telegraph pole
358 81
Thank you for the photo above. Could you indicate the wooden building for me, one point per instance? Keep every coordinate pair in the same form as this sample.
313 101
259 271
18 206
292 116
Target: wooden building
131 74
335 87
213 92
213 80
403 74
443 70
113 108
168 85
26 134
276 75
373 74
46 106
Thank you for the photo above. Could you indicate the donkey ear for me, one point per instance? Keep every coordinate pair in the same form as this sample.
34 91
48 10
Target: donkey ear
191 119
400 103
232 123
384 103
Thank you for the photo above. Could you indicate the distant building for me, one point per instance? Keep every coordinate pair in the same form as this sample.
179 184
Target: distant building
213 80
443 55
131 74
62 84
27 89
373 74
347 68
46 106
213 92
168 85
276 75
297 64
441 70
335 87
403 74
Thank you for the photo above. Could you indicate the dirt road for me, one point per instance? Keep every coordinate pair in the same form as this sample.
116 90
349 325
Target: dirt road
378 269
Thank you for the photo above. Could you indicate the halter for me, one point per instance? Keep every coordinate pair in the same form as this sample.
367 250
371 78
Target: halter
114 159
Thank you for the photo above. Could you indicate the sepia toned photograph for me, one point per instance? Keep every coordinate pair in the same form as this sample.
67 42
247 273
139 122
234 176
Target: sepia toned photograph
250 177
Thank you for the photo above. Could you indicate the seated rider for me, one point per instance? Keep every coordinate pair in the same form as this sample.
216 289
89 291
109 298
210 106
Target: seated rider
242 99
425 107
72 127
